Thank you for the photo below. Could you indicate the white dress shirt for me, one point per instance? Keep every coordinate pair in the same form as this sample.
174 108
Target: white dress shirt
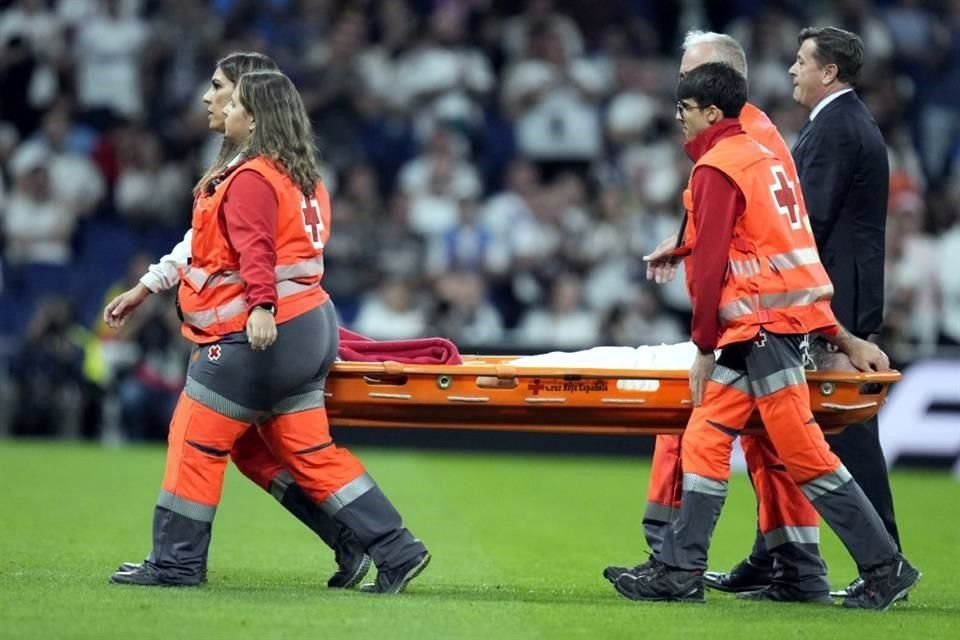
825 101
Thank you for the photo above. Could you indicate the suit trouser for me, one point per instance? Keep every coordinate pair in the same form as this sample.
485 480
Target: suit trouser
765 374
229 386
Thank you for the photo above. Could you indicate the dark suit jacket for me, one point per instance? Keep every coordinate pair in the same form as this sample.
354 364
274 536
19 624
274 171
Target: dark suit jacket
842 163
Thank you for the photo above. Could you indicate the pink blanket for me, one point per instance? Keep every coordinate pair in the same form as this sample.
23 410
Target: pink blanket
357 348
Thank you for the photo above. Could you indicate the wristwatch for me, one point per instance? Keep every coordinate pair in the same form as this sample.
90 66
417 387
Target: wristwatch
272 308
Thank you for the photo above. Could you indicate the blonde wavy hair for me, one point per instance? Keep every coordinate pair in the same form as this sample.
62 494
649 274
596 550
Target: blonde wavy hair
283 133
233 67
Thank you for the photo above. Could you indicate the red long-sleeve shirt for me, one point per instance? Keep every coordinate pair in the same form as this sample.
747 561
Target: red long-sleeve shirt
248 219
717 203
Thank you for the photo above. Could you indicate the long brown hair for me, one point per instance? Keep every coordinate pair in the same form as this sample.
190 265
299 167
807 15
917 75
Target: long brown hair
233 67
283 132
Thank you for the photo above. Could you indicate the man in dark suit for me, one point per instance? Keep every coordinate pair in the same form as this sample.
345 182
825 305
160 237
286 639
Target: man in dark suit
841 160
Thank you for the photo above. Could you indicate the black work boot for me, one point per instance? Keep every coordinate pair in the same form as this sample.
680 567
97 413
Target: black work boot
395 580
352 562
744 577
663 584
884 585
128 567
612 573
146 575
785 592
855 588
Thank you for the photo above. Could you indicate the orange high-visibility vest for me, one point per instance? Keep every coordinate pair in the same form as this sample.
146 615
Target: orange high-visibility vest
774 276
759 127
211 294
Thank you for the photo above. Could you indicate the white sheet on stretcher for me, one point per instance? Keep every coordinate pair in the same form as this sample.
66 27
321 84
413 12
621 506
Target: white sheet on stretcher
669 357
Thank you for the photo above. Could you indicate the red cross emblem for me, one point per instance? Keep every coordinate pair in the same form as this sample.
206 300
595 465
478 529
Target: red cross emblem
535 386
214 352
312 222
782 192
761 339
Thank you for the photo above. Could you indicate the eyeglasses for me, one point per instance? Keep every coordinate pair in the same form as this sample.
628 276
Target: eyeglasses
683 108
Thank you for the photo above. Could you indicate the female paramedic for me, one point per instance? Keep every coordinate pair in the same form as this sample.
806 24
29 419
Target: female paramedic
265 336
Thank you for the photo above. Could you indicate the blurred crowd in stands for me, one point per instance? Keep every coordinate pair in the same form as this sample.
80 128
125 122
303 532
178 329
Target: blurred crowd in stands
497 169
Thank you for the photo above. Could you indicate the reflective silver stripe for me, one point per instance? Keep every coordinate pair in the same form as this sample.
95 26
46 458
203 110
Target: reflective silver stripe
302 269
700 484
796 298
660 512
213 400
237 306
225 278
197 276
353 490
750 267
795 258
777 381
186 508
281 482
302 402
826 483
749 304
737 309
210 317
797 535
289 287
731 378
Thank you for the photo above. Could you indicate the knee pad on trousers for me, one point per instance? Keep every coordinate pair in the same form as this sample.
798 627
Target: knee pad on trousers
302 443
199 443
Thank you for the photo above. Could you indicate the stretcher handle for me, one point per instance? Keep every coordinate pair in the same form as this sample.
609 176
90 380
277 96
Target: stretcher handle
392 368
506 371
491 366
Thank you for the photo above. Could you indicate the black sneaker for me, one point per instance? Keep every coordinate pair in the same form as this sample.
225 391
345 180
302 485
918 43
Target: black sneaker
784 592
128 567
662 584
853 589
396 580
352 564
146 575
884 585
743 577
612 573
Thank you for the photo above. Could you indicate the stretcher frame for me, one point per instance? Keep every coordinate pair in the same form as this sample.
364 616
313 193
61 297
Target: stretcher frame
487 393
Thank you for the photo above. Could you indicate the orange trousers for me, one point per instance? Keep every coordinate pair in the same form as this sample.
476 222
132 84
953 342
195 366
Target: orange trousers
782 507
789 422
201 439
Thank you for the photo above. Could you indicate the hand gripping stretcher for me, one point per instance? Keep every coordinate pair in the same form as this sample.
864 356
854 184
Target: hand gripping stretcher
495 393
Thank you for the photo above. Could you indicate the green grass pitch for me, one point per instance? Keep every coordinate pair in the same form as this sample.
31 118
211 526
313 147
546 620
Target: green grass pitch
518 543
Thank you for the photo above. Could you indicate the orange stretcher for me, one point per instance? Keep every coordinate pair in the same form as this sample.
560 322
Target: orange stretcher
488 393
